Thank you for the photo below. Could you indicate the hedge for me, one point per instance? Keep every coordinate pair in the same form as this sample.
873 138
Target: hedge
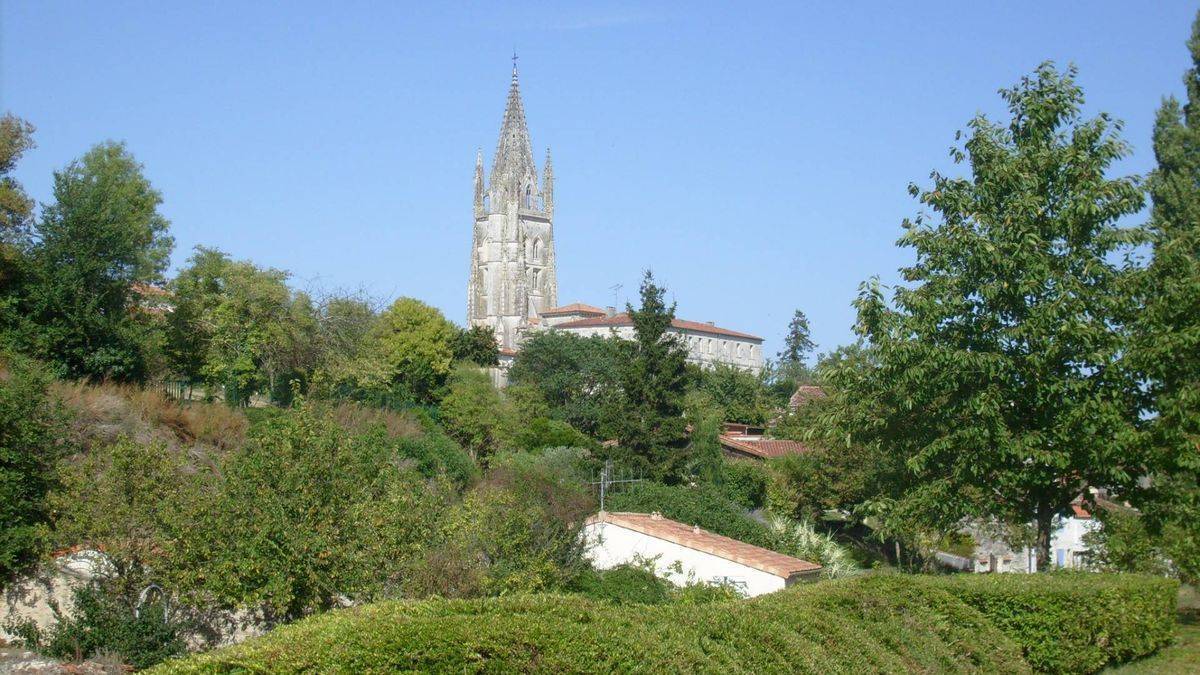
891 623
704 505
1072 622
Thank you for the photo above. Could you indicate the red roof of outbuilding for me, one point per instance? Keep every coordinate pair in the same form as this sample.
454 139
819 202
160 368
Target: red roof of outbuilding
764 448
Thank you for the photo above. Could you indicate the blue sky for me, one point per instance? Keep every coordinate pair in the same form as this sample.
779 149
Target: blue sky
754 155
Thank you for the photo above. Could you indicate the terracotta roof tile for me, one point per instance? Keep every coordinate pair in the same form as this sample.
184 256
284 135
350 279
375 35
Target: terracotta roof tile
573 308
678 324
708 542
805 394
764 448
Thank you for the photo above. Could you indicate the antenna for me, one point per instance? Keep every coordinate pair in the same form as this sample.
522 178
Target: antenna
607 480
616 289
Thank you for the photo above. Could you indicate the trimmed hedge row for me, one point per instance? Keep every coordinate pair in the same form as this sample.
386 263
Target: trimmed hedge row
891 623
1072 622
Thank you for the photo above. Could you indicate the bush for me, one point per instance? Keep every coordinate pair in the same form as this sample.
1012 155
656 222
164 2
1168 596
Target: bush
704 505
872 624
623 585
1072 622
103 622
542 433
435 453
801 539
520 526
31 432
744 481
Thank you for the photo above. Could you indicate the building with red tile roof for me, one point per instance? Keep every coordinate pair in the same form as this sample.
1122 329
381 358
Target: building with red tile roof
685 553
707 344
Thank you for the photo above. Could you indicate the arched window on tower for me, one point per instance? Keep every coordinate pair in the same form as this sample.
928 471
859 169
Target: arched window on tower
537 250
528 196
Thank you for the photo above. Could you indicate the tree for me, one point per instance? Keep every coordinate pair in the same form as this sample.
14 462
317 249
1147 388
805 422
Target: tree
578 378
408 354
238 326
797 344
16 210
475 414
738 394
478 345
652 430
102 235
1166 347
304 514
997 377
32 429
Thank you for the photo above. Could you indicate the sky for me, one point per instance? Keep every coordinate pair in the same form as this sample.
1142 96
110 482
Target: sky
755 156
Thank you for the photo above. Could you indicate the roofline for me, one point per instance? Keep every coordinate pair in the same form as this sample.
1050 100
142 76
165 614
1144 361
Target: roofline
810 568
623 319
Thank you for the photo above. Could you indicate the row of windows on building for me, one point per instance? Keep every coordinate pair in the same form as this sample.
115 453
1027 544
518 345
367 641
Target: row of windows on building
722 349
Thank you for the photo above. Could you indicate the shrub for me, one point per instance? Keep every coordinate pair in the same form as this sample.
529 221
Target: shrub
871 624
31 432
626 584
305 515
802 540
542 433
1072 622
521 525
103 622
744 481
704 505
805 485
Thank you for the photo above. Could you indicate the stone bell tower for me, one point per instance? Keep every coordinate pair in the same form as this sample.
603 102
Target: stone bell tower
513 275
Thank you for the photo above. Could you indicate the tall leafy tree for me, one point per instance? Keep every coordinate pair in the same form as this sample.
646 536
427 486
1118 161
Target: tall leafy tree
238 326
577 377
16 208
478 345
1167 349
996 377
16 212
654 381
102 235
408 355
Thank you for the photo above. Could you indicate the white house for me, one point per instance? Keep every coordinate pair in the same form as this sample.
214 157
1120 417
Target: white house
706 343
1067 547
685 553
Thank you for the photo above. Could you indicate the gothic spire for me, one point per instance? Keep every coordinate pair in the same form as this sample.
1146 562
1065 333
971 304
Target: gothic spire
479 179
514 152
548 183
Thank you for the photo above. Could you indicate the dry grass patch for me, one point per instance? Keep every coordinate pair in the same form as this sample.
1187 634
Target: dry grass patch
105 412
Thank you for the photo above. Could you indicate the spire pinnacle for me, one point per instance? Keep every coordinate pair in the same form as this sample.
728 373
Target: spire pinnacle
514 152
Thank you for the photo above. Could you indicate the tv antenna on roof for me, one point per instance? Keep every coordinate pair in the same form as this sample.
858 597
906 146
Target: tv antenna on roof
616 288
606 480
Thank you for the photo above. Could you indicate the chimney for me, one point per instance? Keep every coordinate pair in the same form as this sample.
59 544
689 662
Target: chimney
710 323
610 311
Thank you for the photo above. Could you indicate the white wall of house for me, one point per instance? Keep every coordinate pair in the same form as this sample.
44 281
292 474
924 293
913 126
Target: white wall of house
1067 550
610 545
703 349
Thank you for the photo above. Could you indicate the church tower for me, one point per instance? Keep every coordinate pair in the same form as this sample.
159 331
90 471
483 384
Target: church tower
513 274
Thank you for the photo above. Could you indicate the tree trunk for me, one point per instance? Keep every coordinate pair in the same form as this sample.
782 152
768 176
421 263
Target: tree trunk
1045 522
